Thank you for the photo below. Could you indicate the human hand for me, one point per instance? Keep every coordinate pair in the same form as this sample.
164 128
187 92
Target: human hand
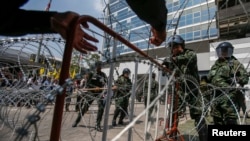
97 89
61 23
114 88
158 37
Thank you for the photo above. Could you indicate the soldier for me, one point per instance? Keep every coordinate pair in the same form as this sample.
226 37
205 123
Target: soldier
123 86
79 98
153 92
226 73
185 61
96 80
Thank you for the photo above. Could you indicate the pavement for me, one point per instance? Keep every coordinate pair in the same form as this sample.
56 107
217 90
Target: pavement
15 117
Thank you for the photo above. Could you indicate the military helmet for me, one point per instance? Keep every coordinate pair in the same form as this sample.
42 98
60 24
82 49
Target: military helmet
224 49
126 70
176 39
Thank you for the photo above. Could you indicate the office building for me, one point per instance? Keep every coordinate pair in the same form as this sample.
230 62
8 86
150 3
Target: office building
194 20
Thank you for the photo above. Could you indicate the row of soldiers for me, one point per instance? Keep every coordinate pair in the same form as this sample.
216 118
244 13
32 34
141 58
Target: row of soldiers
96 83
226 78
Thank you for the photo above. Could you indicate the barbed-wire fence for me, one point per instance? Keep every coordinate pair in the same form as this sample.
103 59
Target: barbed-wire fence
25 108
27 105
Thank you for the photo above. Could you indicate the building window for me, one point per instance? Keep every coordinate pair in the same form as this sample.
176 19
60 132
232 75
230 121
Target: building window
189 36
189 19
197 35
197 16
196 1
169 7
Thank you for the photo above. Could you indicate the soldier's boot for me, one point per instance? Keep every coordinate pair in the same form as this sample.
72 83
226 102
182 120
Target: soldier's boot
98 128
113 122
78 119
67 107
116 113
121 122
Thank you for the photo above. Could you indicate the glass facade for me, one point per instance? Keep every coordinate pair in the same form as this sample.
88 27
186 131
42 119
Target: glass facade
195 20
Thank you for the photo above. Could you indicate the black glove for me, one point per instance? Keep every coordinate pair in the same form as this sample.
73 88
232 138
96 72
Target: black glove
231 81
237 74
166 62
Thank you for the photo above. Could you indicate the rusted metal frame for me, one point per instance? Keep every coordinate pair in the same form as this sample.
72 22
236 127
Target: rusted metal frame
64 74
87 18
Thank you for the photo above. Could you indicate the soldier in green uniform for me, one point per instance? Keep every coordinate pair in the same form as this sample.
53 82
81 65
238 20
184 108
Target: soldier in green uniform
185 62
227 73
96 80
123 86
153 92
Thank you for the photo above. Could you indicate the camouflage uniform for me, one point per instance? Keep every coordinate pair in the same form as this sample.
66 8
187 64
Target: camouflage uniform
223 74
121 98
186 64
188 92
153 93
96 79
186 85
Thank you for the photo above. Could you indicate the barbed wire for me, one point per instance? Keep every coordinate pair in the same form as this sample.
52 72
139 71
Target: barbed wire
13 97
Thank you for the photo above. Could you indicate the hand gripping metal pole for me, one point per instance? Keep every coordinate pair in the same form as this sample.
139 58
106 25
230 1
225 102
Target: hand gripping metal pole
57 117
64 74
106 29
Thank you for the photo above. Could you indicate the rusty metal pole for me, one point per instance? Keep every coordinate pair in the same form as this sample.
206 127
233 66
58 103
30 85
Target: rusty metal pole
100 25
64 74
58 110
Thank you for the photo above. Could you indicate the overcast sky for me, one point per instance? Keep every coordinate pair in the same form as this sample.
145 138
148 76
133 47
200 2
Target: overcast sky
89 7
83 7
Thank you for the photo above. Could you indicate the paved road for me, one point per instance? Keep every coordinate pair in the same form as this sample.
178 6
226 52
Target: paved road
15 117
84 131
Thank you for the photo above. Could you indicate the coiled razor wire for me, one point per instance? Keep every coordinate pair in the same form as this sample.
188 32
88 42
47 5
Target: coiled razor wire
40 108
19 96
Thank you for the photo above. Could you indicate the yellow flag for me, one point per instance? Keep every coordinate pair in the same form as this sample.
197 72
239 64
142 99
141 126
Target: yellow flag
54 73
41 71
58 74
73 74
49 73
